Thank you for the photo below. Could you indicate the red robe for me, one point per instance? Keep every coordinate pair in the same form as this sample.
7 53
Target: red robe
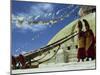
22 60
13 62
81 53
91 52
81 45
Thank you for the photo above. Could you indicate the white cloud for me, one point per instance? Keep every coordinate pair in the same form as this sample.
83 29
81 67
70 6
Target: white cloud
36 17
23 52
38 27
21 20
41 9
17 49
58 12
61 10
49 14
13 18
22 23
46 7
33 38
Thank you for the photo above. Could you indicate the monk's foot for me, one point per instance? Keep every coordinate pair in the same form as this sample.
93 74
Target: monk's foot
87 59
82 60
78 60
92 58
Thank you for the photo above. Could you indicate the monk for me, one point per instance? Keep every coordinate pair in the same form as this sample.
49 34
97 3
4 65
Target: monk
13 62
90 42
81 43
22 61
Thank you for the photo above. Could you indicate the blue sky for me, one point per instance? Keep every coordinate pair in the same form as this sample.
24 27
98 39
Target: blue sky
29 37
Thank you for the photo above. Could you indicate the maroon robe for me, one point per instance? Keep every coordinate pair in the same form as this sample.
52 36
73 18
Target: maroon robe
91 52
22 60
81 46
13 62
